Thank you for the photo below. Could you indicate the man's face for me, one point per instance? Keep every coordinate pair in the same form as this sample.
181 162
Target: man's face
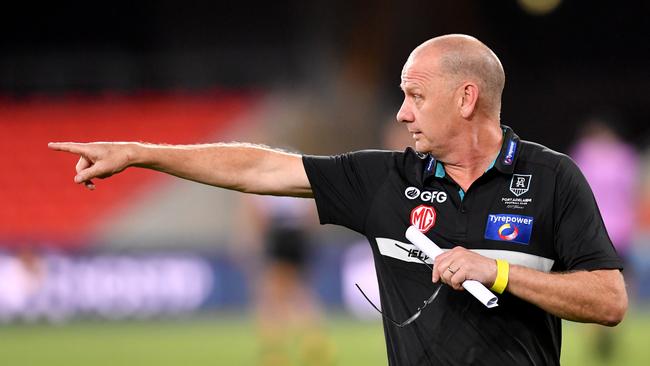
428 106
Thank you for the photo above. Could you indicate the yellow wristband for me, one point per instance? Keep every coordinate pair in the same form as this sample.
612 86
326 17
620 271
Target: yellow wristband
503 269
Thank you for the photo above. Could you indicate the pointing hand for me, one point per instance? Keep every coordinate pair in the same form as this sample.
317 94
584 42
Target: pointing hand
97 159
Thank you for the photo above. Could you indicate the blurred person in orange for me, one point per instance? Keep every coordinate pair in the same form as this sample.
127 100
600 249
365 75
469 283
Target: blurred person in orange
471 185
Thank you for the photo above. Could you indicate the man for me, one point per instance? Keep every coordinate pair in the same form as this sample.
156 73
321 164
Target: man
514 215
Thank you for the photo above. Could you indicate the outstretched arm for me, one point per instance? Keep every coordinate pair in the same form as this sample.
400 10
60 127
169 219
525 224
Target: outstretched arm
585 296
237 166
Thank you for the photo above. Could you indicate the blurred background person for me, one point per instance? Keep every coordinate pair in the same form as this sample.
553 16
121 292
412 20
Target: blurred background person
288 313
640 251
611 166
21 276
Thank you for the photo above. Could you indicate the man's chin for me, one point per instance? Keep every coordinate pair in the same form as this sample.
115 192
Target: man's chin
421 148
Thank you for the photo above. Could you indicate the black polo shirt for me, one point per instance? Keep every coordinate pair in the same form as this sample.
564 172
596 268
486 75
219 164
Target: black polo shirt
533 207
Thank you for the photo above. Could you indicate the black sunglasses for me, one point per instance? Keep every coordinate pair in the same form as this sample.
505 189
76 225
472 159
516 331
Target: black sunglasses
418 312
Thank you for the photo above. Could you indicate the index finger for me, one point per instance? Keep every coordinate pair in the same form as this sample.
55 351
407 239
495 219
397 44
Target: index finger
73 147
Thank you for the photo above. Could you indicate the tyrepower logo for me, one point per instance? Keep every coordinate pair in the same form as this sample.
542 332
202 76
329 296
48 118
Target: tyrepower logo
426 196
508 227
423 217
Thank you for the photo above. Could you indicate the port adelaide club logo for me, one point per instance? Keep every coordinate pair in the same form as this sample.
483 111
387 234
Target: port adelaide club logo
520 184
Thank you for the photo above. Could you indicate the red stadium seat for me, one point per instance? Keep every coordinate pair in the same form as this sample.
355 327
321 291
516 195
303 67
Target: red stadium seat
40 203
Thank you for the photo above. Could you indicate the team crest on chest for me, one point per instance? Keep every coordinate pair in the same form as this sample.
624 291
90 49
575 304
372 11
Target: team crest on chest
520 183
423 217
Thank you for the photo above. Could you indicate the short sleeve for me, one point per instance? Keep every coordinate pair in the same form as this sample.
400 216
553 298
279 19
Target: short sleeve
344 185
581 240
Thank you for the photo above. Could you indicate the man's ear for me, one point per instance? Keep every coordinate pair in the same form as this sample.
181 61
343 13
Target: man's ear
468 100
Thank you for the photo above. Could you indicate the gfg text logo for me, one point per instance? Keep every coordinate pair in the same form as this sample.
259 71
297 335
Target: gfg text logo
426 196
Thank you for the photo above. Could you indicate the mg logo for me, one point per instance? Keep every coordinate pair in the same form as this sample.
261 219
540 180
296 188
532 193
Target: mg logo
423 217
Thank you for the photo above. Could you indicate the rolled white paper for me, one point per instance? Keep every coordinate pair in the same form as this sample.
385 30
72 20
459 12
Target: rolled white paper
485 296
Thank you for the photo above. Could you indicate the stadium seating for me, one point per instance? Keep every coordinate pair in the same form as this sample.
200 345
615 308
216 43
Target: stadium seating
40 205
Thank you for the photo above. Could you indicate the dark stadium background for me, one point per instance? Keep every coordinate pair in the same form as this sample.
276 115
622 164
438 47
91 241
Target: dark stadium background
176 72
559 66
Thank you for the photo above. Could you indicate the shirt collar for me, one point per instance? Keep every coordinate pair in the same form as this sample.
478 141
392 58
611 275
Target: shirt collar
504 162
510 150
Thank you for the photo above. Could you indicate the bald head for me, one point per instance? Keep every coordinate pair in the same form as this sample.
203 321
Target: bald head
464 58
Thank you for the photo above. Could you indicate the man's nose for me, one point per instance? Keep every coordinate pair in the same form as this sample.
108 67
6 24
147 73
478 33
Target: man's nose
404 114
